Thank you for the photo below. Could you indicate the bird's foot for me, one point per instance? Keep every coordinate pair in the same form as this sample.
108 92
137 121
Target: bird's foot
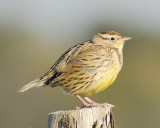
104 104
95 105
85 105
91 103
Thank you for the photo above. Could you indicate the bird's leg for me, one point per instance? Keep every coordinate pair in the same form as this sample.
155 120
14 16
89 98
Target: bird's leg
89 100
94 104
85 104
91 103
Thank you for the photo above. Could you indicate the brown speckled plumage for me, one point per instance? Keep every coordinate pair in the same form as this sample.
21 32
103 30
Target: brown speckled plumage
87 67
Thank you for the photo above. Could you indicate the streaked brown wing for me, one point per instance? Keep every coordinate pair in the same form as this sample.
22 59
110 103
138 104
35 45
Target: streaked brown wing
84 70
62 63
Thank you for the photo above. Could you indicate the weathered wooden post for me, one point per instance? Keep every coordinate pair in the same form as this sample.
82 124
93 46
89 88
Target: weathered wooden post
94 117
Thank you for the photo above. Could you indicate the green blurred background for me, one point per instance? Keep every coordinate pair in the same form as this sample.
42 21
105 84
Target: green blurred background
33 35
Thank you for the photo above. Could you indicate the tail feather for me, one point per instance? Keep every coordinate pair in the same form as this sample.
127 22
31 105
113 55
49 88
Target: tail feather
35 83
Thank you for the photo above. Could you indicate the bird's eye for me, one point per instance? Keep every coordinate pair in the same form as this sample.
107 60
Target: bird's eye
112 38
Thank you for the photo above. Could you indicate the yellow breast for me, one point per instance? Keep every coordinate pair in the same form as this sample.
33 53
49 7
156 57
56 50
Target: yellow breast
104 82
106 79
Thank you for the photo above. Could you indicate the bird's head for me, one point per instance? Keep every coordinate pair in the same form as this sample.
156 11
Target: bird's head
111 38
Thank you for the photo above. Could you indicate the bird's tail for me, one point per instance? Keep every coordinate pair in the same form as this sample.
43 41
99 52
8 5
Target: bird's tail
36 83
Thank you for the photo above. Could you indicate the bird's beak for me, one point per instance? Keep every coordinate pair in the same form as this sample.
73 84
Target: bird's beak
127 38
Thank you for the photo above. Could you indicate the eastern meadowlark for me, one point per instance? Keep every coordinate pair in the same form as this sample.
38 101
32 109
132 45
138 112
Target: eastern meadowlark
86 68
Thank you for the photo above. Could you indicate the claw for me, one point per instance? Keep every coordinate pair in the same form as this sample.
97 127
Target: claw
91 103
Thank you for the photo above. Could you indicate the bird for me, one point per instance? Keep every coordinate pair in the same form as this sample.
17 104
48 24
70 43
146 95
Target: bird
86 68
